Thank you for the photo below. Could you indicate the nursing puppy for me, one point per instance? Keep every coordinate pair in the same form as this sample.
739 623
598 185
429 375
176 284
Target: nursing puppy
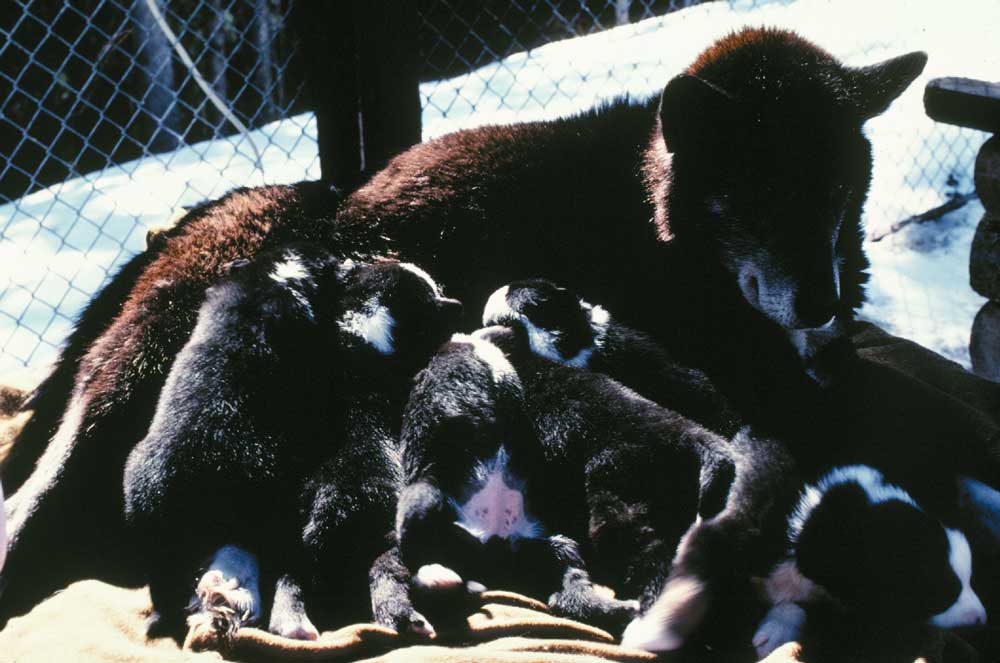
296 359
566 329
862 543
619 474
481 501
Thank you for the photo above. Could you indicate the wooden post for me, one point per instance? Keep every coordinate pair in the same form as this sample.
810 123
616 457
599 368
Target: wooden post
390 88
327 43
363 65
976 104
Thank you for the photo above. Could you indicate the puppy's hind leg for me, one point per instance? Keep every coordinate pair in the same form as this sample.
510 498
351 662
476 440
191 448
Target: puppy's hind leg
427 535
390 584
227 596
288 612
718 554
577 598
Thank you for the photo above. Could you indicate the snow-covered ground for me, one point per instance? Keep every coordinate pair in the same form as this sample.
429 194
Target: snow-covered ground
56 255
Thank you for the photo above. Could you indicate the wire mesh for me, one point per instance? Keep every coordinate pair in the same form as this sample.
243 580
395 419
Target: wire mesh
104 133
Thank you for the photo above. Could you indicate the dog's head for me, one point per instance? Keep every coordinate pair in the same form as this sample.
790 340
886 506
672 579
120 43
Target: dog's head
560 326
868 544
763 164
396 309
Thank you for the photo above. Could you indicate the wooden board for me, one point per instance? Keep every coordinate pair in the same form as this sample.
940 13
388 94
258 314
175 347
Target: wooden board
965 102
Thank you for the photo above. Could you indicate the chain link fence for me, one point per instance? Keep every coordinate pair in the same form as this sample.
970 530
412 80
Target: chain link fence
105 131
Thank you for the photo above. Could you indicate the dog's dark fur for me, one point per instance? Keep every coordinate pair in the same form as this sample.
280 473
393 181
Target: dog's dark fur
570 199
281 375
732 199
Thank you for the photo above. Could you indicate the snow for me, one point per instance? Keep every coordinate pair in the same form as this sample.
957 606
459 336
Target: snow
919 286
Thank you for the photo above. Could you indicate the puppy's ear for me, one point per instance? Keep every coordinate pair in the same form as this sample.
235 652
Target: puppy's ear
691 111
830 547
876 86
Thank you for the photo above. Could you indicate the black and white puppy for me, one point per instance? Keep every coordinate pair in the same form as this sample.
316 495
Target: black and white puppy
618 473
296 360
481 503
566 329
866 545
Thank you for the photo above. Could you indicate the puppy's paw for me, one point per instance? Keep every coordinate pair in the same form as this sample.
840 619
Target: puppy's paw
436 576
782 624
295 626
221 602
671 619
418 625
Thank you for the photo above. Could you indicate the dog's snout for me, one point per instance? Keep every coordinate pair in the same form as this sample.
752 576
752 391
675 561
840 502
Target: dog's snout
451 311
816 310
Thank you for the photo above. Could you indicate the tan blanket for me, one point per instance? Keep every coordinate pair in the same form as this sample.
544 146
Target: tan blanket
92 622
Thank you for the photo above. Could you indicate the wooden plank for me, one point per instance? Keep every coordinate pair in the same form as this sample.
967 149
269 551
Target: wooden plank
965 102
987 175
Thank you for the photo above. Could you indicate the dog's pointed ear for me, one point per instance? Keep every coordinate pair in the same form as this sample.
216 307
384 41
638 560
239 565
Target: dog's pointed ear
687 104
876 86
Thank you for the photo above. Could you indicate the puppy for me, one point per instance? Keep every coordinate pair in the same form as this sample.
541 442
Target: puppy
614 471
563 327
865 544
295 360
481 502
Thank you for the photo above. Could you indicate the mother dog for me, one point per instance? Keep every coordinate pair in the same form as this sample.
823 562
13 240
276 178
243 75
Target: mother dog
723 217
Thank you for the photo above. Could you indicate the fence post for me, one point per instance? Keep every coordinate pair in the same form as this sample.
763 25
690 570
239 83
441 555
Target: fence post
390 88
363 66
326 35
976 104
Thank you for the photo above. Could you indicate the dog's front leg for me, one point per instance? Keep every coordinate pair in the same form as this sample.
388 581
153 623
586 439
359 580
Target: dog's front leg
718 555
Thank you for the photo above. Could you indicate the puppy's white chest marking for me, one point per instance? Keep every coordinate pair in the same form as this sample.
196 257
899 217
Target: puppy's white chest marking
496 509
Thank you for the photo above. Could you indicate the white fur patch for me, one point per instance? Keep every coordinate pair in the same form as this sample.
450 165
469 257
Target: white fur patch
231 583
491 355
543 342
413 269
47 471
497 309
436 576
967 610
670 619
786 584
373 324
868 478
782 623
290 268
496 509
